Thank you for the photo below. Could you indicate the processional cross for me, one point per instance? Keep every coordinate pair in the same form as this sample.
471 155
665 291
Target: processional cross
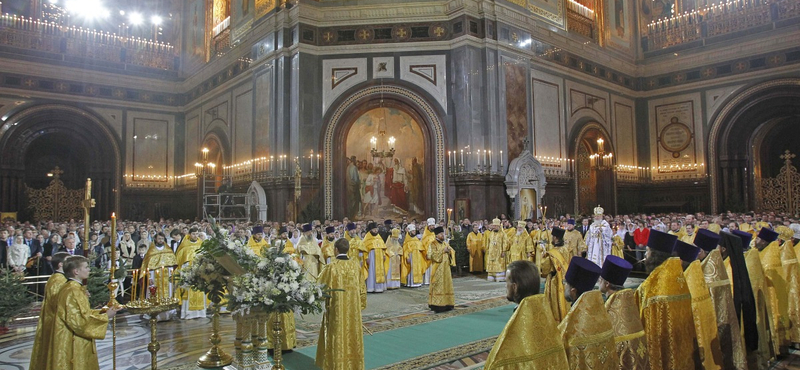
87 204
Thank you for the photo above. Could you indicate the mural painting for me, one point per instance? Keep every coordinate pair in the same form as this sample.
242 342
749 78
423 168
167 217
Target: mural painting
385 180
527 204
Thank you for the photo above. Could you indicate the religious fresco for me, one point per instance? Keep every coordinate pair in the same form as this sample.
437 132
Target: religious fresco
381 184
516 109
196 28
618 30
527 204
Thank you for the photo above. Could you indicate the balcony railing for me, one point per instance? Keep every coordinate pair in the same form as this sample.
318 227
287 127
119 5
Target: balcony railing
715 20
35 35
581 20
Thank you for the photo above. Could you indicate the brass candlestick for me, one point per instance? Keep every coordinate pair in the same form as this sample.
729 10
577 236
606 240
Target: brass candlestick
276 331
153 307
112 293
215 357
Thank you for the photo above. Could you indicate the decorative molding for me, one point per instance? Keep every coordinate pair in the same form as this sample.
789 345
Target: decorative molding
383 67
427 72
436 125
343 75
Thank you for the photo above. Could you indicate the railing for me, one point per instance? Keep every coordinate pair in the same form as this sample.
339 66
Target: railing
159 182
715 20
32 34
581 19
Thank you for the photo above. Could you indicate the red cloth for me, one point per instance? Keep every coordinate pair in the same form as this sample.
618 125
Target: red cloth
640 236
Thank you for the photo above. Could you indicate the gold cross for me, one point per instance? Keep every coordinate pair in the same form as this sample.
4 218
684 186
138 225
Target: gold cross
787 156
708 72
328 36
364 34
401 33
439 31
56 172
514 37
29 82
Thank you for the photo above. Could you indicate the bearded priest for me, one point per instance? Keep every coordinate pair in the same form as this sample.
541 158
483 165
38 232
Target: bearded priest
377 260
257 240
440 296
193 302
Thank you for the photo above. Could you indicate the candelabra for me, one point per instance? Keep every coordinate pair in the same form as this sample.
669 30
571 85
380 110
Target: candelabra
160 300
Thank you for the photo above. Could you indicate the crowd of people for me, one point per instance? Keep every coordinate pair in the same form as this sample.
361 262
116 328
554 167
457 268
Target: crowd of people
692 261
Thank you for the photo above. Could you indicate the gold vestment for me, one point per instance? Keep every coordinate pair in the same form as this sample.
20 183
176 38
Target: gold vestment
734 354
791 272
588 335
395 250
185 256
75 328
628 331
375 243
553 268
256 246
341 343
357 252
311 254
755 271
328 251
44 330
776 293
528 342
574 242
288 333
412 248
156 259
476 249
519 246
665 306
496 244
441 290
705 320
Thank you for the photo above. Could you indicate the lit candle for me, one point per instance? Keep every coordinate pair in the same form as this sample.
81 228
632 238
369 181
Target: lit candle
450 158
501 158
490 158
462 157
135 283
478 158
317 162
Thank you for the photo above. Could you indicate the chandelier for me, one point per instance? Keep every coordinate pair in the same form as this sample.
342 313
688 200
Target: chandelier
601 160
381 151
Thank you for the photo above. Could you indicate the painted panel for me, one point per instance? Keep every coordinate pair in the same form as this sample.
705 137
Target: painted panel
618 23
264 113
516 109
625 134
195 29
379 185
676 134
192 141
243 124
338 75
547 121
150 161
427 72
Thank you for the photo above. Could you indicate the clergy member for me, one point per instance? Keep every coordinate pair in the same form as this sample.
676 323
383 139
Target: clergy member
520 244
664 297
44 330
428 236
776 289
310 252
356 252
257 240
159 258
377 259
440 296
705 320
395 251
76 325
791 273
623 311
193 302
415 259
341 344
586 331
573 240
751 305
328 251
553 267
496 247
476 249
734 354
599 238
527 341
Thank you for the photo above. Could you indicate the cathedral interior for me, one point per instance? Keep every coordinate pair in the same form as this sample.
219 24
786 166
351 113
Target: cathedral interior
488 107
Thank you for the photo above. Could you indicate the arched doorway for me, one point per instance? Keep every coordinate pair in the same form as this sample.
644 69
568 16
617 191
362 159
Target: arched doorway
410 116
215 157
748 134
37 139
595 183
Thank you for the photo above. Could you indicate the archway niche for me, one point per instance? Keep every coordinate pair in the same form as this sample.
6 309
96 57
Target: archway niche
595 183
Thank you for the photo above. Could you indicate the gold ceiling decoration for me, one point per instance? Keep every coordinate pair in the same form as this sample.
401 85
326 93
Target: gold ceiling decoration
55 202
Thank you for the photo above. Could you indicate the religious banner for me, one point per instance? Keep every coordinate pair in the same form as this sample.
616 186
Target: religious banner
675 135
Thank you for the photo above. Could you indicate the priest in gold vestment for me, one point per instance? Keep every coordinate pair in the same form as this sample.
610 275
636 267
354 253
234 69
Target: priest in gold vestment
705 320
193 302
527 342
440 296
415 259
496 248
520 245
573 240
476 247
791 271
624 314
553 267
665 307
734 354
310 253
377 259
257 240
395 250
44 330
328 252
586 331
776 288
76 325
341 344
357 252
159 256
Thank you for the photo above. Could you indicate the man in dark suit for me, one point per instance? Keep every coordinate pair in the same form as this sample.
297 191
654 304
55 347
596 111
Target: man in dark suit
139 257
584 228
69 247
175 239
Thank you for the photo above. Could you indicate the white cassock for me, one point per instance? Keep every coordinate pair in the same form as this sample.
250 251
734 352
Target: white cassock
599 239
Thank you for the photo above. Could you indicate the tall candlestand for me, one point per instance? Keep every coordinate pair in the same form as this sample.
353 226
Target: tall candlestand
215 357
112 294
153 307
276 332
